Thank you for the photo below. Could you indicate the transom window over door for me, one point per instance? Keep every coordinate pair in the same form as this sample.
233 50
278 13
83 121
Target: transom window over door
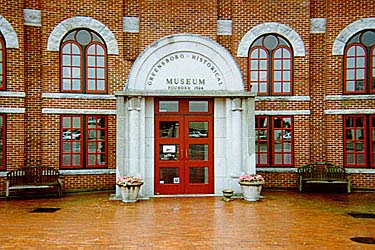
83 63
270 66
359 64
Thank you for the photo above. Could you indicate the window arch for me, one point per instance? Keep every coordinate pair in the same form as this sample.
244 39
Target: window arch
2 63
83 60
359 65
270 66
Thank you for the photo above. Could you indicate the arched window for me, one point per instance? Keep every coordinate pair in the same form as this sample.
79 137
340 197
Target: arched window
83 63
270 66
2 63
359 64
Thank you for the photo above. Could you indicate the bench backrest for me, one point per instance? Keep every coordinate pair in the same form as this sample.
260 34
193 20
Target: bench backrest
322 170
33 175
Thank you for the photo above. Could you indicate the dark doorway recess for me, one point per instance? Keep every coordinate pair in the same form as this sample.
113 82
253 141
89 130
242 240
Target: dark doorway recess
45 210
365 240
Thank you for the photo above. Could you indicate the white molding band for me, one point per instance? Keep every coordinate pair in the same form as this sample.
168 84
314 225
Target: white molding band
79 111
10 36
295 169
349 111
282 112
77 96
277 170
282 98
12 110
12 94
360 171
353 28
272 170
349 97
87 171
69 24
291 35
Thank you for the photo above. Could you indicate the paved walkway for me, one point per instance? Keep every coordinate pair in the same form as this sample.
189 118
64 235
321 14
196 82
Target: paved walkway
282 220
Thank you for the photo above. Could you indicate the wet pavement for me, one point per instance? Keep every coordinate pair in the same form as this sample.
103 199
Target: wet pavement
281 220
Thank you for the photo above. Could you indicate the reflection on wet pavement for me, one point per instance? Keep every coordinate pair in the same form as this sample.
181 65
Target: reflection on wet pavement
282 220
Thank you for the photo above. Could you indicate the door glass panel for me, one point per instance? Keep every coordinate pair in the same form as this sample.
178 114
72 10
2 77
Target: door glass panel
198 106
198 175
198 152
169 129
198 129
169 152
169 176
168 106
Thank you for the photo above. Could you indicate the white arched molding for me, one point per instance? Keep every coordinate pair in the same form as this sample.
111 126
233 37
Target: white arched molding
276 28
185 56
10 36
67 25
348 32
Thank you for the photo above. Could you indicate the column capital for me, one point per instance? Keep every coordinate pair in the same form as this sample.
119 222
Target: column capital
237 104
134 103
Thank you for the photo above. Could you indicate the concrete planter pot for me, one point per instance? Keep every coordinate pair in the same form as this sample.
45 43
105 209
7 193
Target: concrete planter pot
251 190
130 193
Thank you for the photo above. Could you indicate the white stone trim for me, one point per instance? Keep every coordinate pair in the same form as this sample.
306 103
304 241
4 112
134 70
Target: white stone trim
69 24
348 32
295 170
87 171
79 111
360 170
12 94
349 111
130 24
172 93
147 61
349 97
224 27
77 96
282 98
318 25
12 110
277 170
282 112
32 17
10 36
291 35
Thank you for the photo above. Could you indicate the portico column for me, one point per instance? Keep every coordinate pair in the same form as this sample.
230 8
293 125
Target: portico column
236 140
134 108
120 139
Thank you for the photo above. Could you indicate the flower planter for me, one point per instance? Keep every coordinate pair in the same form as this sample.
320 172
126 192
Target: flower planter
228 193
130 193
251 190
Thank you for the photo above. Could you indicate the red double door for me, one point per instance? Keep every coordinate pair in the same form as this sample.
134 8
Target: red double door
184 147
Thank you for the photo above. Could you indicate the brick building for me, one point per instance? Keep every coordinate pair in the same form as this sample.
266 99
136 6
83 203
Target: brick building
169 90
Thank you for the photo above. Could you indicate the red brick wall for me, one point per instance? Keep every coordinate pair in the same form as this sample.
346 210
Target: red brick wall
31 137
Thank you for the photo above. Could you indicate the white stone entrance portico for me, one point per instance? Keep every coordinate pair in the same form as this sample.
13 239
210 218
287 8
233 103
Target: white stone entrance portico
186 66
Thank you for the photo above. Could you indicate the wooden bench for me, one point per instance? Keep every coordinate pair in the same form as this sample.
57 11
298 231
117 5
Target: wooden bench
35 177
324 173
